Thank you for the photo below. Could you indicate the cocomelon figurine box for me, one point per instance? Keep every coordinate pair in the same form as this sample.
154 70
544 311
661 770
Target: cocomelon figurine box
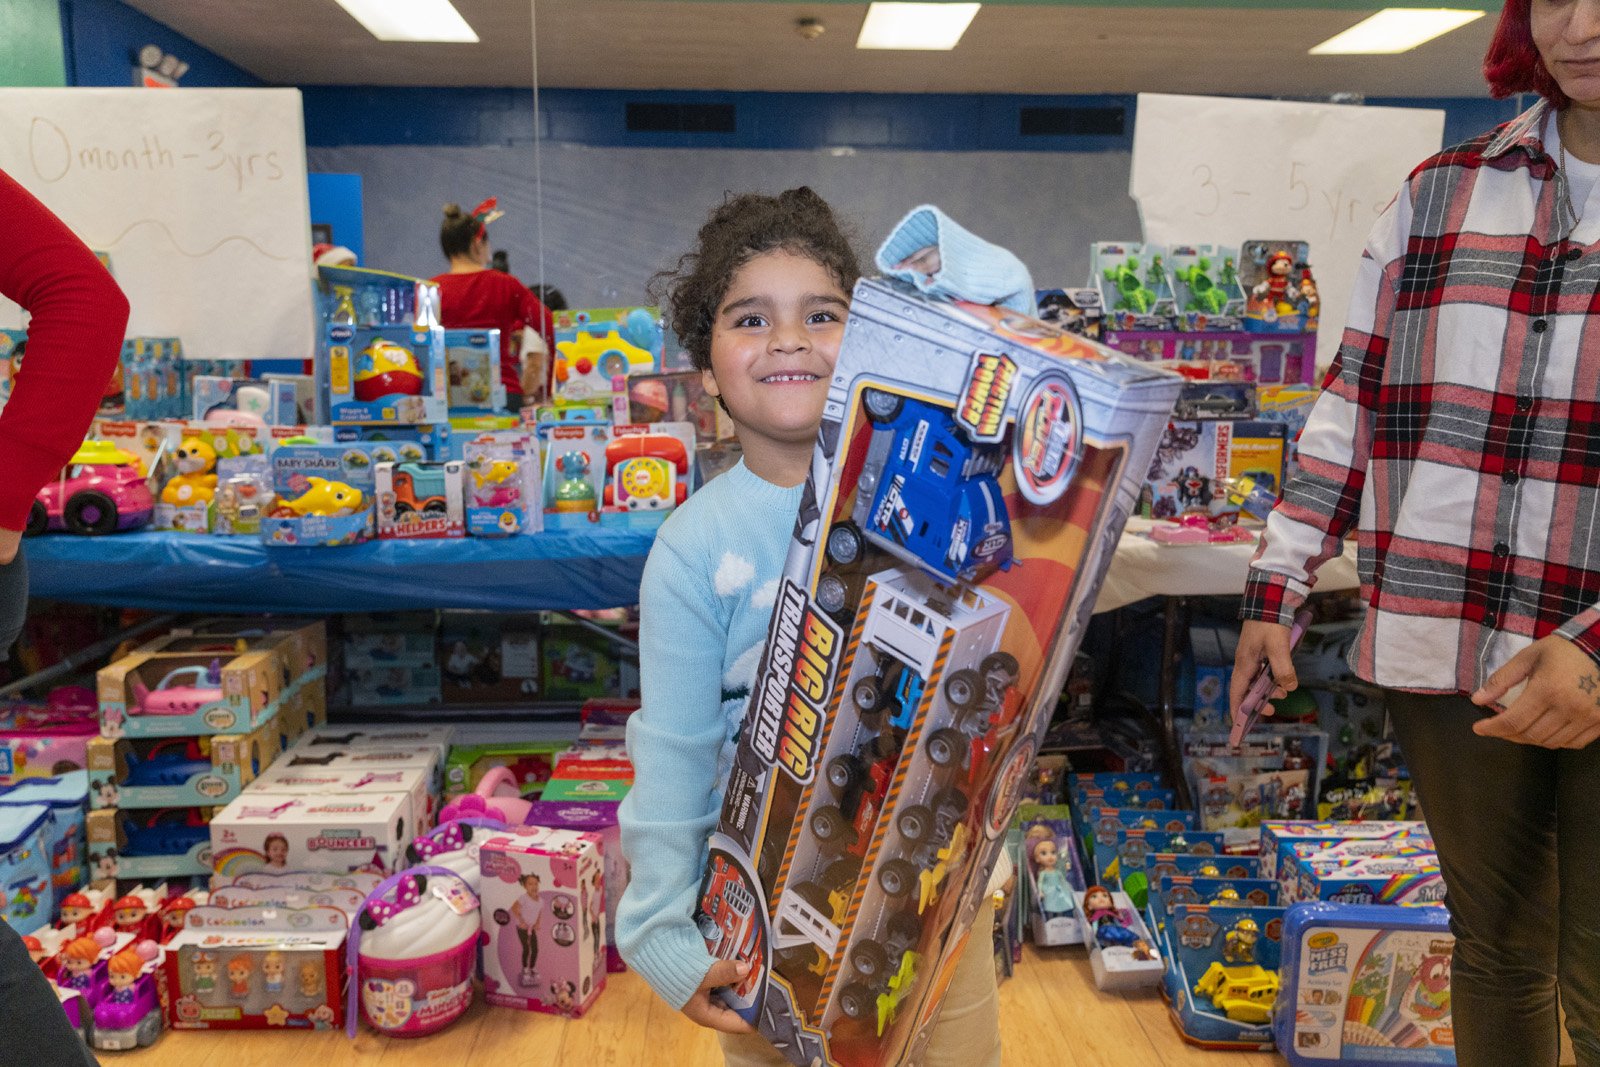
544 919
265 967
972 476
1223 980
1364 986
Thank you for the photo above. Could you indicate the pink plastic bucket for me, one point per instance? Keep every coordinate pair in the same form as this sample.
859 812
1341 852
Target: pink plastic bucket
410 998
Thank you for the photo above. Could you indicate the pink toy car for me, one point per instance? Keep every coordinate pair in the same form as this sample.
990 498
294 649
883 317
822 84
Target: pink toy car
102 490
172 696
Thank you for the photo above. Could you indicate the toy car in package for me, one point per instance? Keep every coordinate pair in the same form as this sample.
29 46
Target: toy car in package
973 473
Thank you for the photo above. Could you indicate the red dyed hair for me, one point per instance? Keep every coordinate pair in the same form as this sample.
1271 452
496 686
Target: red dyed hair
1512 64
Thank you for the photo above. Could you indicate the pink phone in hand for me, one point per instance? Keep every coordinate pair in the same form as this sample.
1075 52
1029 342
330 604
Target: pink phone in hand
1261 687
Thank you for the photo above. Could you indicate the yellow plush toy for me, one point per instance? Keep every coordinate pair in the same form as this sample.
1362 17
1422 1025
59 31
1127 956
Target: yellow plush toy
196 479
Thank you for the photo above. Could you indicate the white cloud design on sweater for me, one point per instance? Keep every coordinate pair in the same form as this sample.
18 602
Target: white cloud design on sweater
742 675
734 572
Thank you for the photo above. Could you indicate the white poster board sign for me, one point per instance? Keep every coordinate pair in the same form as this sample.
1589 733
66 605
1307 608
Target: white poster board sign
198 195
1214 170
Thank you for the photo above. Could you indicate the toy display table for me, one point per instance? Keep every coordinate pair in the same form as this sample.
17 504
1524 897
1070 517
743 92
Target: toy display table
565 570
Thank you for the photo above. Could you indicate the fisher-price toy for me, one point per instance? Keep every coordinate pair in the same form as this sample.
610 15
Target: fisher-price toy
101 490
386 369
196 480
324 498
647 472
574 492
412 953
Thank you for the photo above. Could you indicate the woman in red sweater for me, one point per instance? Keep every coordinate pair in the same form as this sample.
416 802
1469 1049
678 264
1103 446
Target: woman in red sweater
74 342
474 297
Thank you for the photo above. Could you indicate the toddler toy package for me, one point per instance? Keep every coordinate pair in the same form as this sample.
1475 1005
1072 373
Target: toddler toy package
1278 837
648 471
973 474
187 694
412 952
1123 865
324 495
382 349
44 740
502 484
64 840
178 771
1122 952
246 401
1078 311
1224 978
599 819
1134 285
26 882
544 919
574 473
257 967
1413 879
530 762
276 832
1170 890
1206 291
420 500
1365 986
679 396
167 843
401 444
595 347
1280 294
473 359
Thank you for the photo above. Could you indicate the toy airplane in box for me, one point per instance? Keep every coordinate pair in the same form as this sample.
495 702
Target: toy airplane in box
974 471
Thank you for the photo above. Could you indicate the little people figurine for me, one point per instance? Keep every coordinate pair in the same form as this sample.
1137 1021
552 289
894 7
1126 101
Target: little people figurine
1055 894
77 964
272 968
122 972
1110 928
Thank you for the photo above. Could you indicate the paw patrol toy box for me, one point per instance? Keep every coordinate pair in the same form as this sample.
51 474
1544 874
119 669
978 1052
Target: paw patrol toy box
973 473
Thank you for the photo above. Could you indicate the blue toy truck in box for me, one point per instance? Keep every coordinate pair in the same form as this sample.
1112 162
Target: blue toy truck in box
926 493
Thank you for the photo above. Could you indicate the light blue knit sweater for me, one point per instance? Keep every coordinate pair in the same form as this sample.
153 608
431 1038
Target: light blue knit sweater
704 603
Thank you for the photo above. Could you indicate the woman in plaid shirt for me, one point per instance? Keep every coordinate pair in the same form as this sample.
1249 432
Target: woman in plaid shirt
1459 436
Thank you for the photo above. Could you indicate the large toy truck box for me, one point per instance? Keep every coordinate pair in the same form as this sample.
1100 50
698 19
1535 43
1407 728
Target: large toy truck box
972 475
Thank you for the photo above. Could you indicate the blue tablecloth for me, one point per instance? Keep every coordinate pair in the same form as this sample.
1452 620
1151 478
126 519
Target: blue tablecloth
597 568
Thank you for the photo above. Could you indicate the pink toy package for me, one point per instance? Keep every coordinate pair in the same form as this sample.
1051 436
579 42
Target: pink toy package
544 919
413 949
41 741
599 818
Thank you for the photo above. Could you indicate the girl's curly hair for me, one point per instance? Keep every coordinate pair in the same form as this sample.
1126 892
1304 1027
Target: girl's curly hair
743 227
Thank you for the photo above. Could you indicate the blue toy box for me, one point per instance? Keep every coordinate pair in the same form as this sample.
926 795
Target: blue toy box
65 796
27 891
178 771
1122 867
1223 976
1365 986
381 352
473 361
168 843
425 443
1171 890
324 496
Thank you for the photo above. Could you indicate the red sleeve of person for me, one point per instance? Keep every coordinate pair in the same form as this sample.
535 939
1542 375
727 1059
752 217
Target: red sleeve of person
78 318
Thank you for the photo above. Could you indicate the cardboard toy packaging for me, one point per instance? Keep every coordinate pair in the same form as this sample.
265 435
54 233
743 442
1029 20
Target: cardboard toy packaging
544 919
1365 985
273 832
256 968
973 473
1224 976
600 820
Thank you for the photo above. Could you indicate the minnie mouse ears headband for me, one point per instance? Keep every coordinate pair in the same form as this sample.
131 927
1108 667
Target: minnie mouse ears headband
486 213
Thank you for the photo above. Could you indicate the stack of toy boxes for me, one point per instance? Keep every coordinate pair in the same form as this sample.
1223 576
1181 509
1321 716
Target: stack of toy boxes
588 772
1354 863
544 919
916 653
66 795
341 799
190 700
1274 774
391 660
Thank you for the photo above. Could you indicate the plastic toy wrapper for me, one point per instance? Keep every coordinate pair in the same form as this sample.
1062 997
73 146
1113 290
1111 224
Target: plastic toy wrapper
973 473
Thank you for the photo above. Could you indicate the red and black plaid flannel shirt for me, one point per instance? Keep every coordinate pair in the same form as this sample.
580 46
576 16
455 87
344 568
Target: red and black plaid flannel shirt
1459 433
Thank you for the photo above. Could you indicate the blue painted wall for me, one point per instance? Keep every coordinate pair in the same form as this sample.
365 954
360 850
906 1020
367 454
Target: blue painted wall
336 200
102 37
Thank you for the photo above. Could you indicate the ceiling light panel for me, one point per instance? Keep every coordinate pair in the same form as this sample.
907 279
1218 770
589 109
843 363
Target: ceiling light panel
411 20
1394 30
915 27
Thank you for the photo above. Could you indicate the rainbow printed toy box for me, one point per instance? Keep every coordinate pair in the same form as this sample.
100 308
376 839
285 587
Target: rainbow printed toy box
1365 985
973 473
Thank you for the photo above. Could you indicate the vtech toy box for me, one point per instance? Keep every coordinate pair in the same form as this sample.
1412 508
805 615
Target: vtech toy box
973 473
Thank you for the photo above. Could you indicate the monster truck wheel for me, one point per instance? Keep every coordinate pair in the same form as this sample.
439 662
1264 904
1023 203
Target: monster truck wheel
945 746
897 877
869 959
38 520
828 824
882 406
844 544
90 512
856 1001
832 594
962 689
914 822
1002 667
843 771
866 694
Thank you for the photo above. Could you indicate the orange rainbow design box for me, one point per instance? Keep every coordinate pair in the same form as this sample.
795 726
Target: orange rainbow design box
973 473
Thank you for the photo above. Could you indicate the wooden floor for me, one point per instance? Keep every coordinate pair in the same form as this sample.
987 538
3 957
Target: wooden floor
1051 1015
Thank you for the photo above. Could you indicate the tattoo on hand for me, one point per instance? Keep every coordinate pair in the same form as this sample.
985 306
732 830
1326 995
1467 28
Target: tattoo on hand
1587 682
